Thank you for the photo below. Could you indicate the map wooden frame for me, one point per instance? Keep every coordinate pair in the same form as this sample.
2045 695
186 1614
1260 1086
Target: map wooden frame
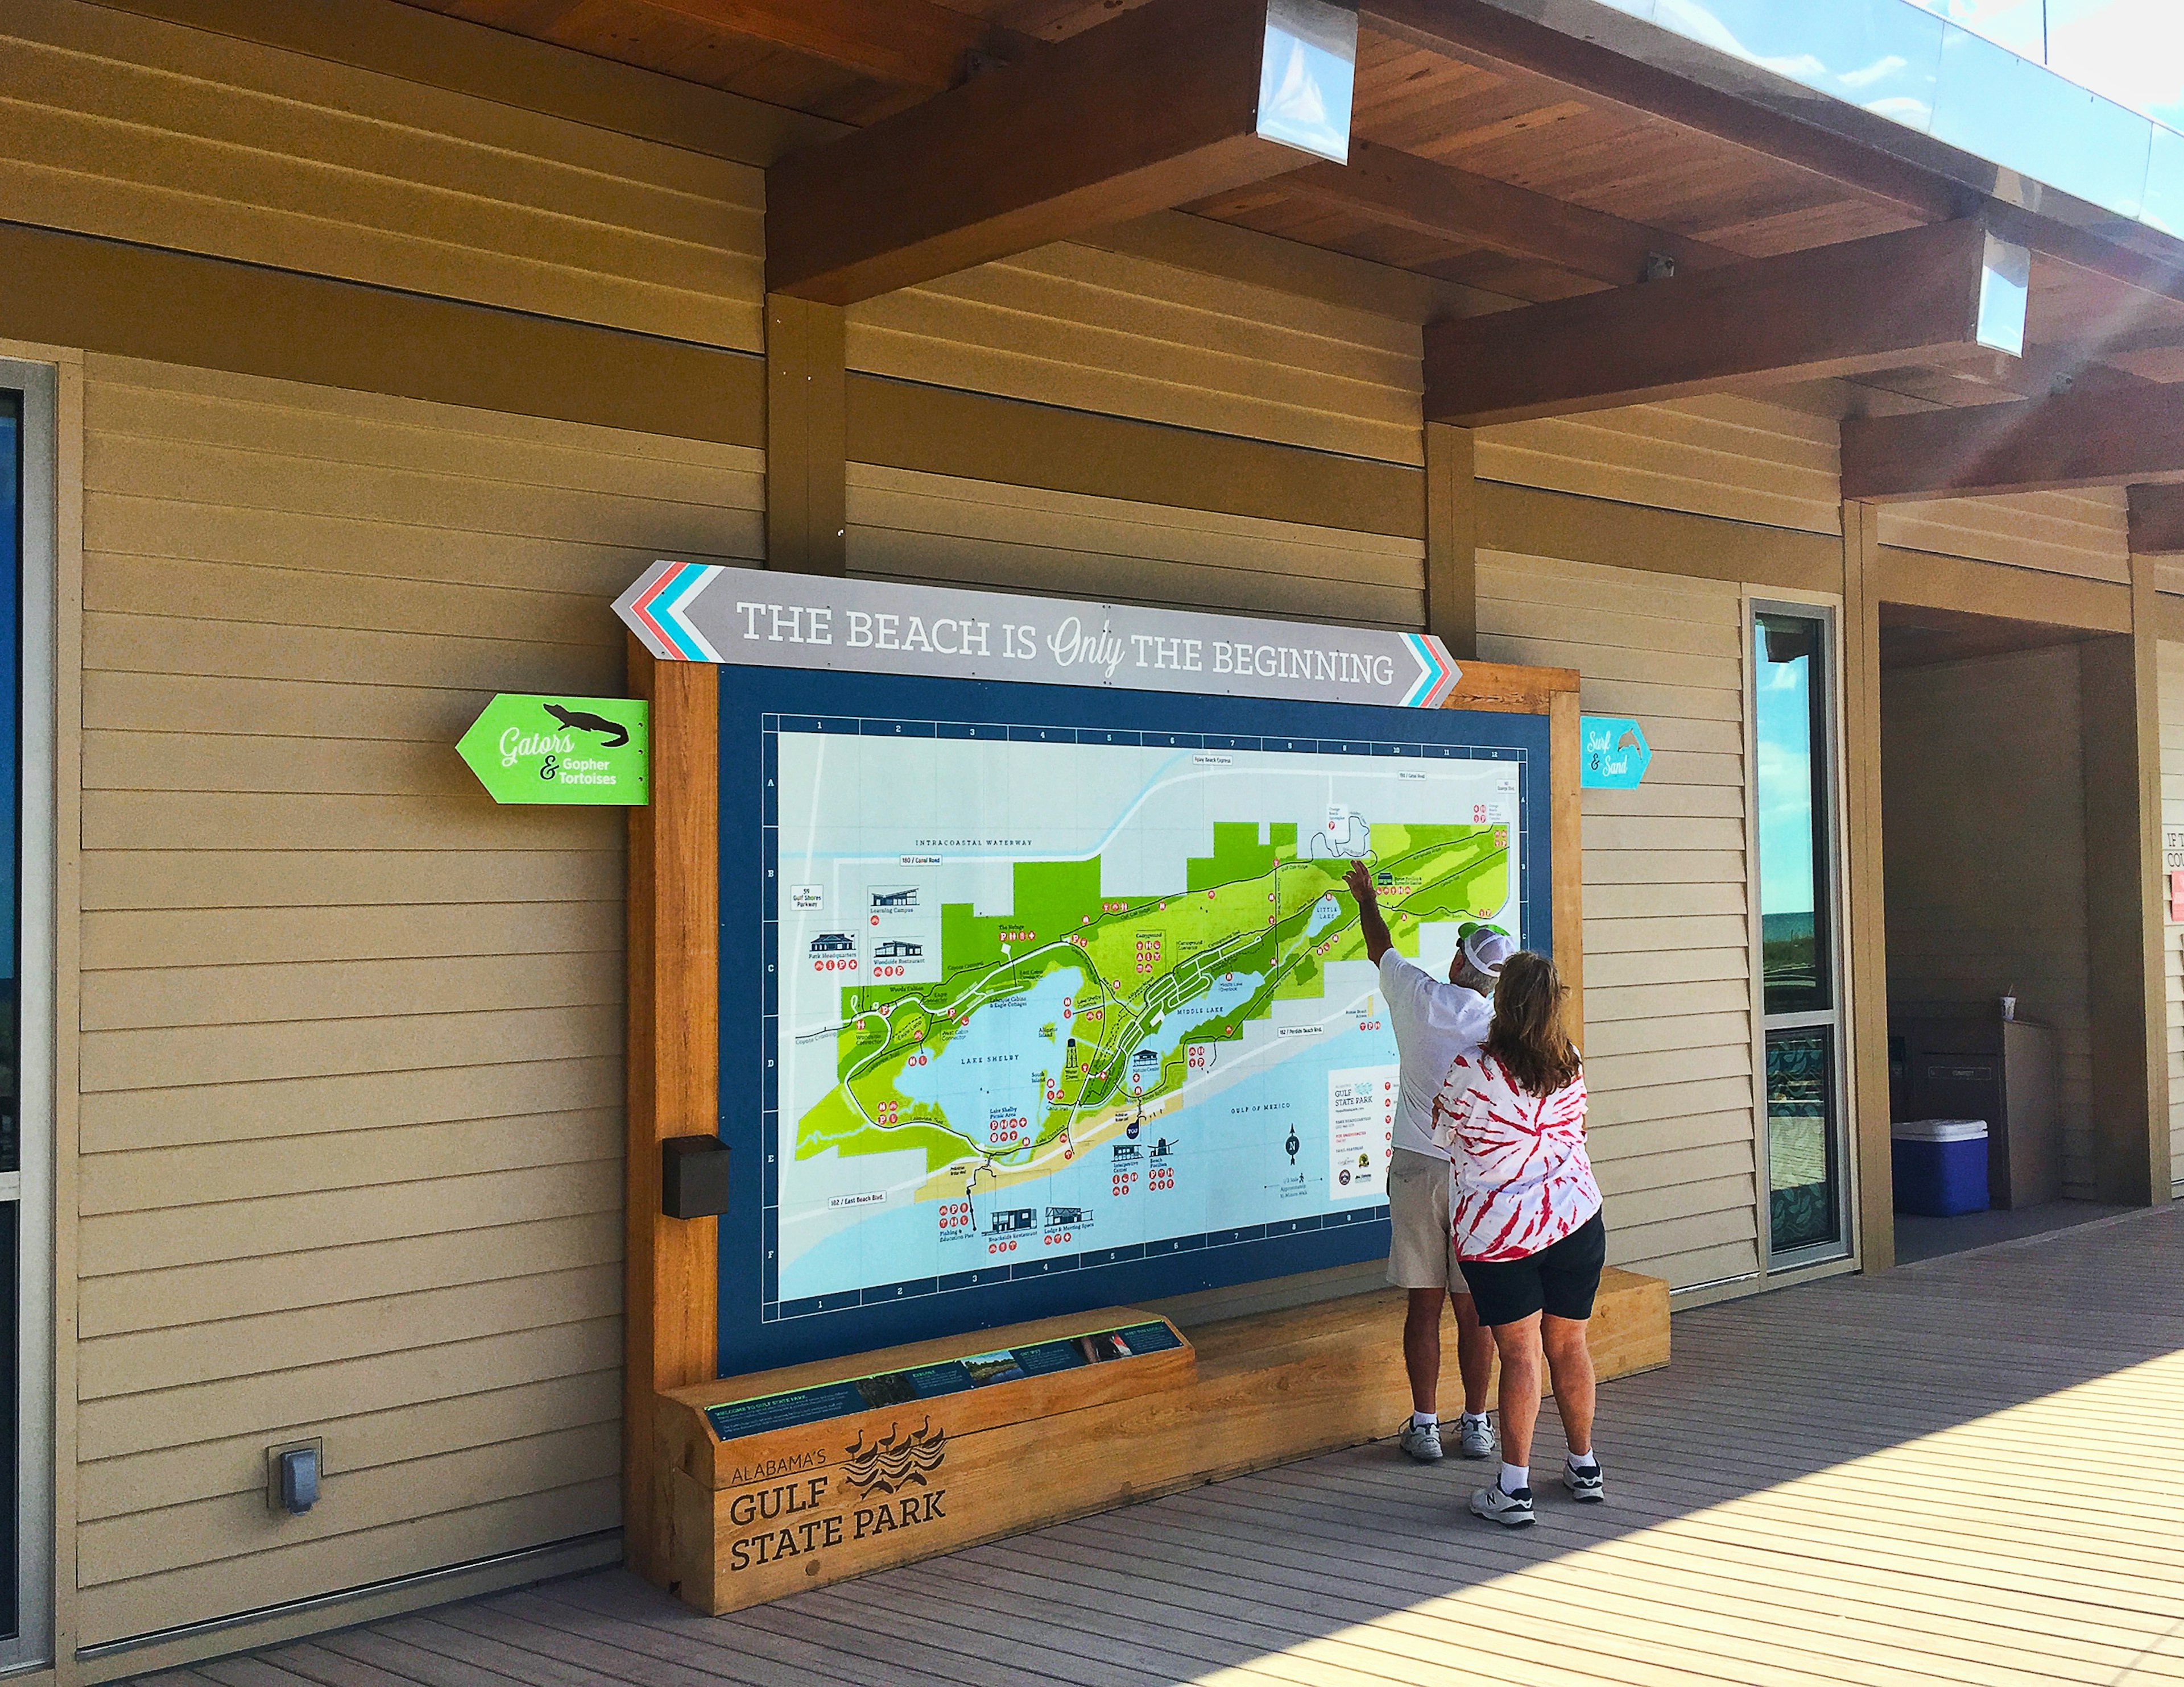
672 1265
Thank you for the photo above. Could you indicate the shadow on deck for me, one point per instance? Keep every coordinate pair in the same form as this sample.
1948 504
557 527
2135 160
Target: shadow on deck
1970 1470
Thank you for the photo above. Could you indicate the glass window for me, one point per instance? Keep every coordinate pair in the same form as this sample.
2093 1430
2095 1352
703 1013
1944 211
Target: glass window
11 574
11 548
1803 1182
1806 1157
1791 716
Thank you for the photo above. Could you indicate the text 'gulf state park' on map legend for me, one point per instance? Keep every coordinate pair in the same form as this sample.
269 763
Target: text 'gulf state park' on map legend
1361 1126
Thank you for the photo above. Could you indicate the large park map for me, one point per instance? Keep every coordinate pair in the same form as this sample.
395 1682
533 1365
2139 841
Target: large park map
1061 998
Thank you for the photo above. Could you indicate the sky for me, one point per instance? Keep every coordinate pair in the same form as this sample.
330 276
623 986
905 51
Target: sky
1783 732
2132 51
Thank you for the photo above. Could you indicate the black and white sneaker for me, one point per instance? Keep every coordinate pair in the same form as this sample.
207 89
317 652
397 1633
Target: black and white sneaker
1587 1485
1511 1510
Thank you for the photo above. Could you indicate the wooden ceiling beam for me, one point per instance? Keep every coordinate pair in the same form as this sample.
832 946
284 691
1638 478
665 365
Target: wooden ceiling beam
2041 371
917 43
2072 440
1863 304
1477 33
1482 35
1387 185
1157 108
2157 520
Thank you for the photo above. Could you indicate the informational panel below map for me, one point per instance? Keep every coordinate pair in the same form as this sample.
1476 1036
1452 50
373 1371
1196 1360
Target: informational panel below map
1062 1002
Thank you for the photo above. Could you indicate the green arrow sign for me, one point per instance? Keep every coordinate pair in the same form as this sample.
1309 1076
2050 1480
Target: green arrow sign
561 750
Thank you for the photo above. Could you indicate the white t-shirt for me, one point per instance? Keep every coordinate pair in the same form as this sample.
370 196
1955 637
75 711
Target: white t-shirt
1434 1022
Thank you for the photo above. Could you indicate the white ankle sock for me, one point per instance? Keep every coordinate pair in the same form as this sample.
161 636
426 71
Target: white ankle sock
1515 1477
1585 1461
1420 1420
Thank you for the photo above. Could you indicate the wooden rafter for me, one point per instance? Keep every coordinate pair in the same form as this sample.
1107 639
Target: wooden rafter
1863 304
1476 32
1480 34
2077 439
915 43
1159 107
1387 185
2157 520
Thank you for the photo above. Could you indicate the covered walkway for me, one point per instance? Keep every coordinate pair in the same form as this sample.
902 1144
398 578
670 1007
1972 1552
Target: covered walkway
1970 1470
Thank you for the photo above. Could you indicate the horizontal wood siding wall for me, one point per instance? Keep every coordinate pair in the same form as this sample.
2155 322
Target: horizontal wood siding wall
907 525
1717 455
1668 937
1124 336
2172 821
2062 533
1983 800
352 1035
143 130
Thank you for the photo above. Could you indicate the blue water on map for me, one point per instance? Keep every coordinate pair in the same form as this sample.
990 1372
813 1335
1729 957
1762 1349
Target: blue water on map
1227 992
1228 1154
996 1061
1324 913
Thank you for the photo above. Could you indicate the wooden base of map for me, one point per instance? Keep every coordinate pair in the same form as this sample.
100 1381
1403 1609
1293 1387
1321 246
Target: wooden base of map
765 1515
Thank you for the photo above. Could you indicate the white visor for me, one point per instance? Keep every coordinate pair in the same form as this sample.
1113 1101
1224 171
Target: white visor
1486 949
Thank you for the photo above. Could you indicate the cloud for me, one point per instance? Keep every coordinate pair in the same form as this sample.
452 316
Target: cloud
1870 74
2132 51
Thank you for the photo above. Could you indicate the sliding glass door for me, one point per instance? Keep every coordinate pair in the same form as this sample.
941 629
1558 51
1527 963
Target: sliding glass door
1807 1207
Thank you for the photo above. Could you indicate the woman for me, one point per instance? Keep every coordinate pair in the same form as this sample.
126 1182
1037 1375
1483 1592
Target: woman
1526 1223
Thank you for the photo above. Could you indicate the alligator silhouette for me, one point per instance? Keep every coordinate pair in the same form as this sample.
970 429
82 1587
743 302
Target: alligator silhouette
577 721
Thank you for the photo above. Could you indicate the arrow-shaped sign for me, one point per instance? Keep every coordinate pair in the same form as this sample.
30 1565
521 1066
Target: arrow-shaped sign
581 751
695 612
658 612
1437 672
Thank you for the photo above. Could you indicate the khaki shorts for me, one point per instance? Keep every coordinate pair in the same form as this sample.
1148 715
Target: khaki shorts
1421 1253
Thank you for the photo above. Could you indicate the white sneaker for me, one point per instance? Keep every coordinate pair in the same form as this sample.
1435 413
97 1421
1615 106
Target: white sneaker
1421 1441
1475 1437
1511 1510
1589 1484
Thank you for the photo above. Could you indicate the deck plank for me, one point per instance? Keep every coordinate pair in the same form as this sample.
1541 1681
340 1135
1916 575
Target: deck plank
1859 1483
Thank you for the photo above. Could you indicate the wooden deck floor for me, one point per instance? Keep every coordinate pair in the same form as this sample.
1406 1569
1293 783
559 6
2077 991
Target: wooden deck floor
1968 1470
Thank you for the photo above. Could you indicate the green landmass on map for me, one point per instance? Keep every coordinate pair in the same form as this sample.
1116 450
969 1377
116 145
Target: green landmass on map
1244 908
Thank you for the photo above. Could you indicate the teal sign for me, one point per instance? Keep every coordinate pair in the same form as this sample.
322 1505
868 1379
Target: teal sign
562 749
1616 753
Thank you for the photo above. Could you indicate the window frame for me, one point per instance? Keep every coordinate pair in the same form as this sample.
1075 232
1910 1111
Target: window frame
37 385
1830 879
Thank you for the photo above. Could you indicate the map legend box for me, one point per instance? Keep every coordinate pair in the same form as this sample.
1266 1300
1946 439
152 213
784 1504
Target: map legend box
1361 1126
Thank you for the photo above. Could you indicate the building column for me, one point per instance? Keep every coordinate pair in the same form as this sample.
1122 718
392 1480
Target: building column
1865 903
2119 680
806 437
1453 540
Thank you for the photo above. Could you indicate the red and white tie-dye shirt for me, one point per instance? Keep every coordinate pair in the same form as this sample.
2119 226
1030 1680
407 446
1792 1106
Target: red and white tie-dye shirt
1522 1179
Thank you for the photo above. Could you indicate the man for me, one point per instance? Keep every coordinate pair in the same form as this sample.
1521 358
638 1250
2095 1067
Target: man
1434 1022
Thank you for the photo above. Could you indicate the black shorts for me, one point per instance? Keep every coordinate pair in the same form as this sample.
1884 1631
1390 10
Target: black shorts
1560 1279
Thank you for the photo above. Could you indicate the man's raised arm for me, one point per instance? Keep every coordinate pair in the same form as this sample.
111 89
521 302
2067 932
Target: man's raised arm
1378 942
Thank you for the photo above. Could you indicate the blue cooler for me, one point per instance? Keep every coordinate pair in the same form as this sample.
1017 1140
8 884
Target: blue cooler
1940 1167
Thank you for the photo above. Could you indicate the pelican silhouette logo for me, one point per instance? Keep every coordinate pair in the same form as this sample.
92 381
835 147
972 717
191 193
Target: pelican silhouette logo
895 1460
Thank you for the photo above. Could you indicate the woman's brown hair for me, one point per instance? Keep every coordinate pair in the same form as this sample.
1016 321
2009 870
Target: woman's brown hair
1527 1035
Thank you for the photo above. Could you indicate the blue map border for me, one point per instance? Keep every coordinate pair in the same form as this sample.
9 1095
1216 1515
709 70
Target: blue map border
757 1332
